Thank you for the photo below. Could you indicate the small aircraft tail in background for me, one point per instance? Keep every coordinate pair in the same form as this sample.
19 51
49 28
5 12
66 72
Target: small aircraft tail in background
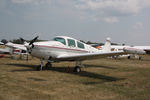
107 46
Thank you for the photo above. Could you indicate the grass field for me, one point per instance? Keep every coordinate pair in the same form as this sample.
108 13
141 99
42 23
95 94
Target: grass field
102 79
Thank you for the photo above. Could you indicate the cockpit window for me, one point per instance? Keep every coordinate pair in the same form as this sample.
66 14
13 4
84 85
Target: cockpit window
62 40
71 43
80 45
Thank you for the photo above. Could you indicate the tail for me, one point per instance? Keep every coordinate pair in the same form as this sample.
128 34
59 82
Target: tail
107 46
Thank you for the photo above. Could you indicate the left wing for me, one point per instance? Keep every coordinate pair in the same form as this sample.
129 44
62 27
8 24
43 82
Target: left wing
16 46
4 51
89 56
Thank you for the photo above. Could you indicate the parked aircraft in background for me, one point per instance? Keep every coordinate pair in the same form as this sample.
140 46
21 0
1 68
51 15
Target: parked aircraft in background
16 47
1 43
12 48
4 50
133 51
63 48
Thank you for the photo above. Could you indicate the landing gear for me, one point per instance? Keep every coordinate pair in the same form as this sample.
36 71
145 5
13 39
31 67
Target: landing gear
48 65
78 66
77 69
140 57
39 68
129 57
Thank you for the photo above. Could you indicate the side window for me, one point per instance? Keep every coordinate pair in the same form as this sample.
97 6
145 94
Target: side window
80 45
62 40
71 43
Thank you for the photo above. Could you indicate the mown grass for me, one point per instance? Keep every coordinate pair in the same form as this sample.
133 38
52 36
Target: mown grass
102 79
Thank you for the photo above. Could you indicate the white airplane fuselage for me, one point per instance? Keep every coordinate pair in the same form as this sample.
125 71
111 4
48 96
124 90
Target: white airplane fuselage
53 49
64 48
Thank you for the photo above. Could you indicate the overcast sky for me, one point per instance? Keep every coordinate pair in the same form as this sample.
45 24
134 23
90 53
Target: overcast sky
124 21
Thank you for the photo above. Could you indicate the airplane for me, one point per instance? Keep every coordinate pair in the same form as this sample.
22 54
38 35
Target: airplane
11 48
1 43
4 50
21 47
133 51
63 48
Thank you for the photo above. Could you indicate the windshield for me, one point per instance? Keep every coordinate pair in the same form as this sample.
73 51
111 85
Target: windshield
62 40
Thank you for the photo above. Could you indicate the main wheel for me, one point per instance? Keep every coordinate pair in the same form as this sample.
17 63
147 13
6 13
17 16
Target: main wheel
48 65
129 57
77 69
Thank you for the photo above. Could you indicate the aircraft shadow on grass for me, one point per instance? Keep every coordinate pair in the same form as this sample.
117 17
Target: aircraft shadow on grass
71 71
98 66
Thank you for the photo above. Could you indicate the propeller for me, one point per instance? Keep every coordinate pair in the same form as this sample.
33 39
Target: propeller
27 45
22 40
32 41
30 45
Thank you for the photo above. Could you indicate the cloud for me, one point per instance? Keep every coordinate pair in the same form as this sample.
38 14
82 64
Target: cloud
22 1
37 2
111 20
138 25
116 8
109 11
122 6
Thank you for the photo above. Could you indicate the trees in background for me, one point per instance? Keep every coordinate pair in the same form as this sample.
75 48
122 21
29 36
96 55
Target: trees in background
18 41
4 41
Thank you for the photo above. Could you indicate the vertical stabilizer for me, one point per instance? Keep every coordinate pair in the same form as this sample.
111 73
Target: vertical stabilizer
107 46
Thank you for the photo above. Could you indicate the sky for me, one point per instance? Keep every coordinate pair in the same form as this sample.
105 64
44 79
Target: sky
124 21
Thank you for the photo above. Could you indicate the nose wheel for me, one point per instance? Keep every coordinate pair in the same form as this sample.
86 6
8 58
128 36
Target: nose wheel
48 65
40 67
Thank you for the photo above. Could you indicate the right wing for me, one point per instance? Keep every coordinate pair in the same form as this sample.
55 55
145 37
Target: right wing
89 56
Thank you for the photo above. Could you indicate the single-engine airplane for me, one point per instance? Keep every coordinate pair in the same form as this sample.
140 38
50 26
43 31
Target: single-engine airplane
63 48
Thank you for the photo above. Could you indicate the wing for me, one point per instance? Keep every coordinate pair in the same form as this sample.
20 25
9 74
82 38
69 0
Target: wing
20 47
16 46
89 56
3 51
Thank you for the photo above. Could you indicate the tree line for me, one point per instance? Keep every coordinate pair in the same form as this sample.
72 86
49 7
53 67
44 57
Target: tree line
17 41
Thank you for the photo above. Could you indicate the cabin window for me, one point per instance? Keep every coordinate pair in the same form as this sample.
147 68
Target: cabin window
71 43
80 45
62 40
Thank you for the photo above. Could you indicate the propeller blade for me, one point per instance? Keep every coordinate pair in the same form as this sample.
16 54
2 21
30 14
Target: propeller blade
22 39
32 41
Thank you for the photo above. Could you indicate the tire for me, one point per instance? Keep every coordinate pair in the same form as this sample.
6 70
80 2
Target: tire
129 57
77 69
48 65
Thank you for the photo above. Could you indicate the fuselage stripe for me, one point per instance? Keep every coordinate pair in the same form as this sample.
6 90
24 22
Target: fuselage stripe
61 48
